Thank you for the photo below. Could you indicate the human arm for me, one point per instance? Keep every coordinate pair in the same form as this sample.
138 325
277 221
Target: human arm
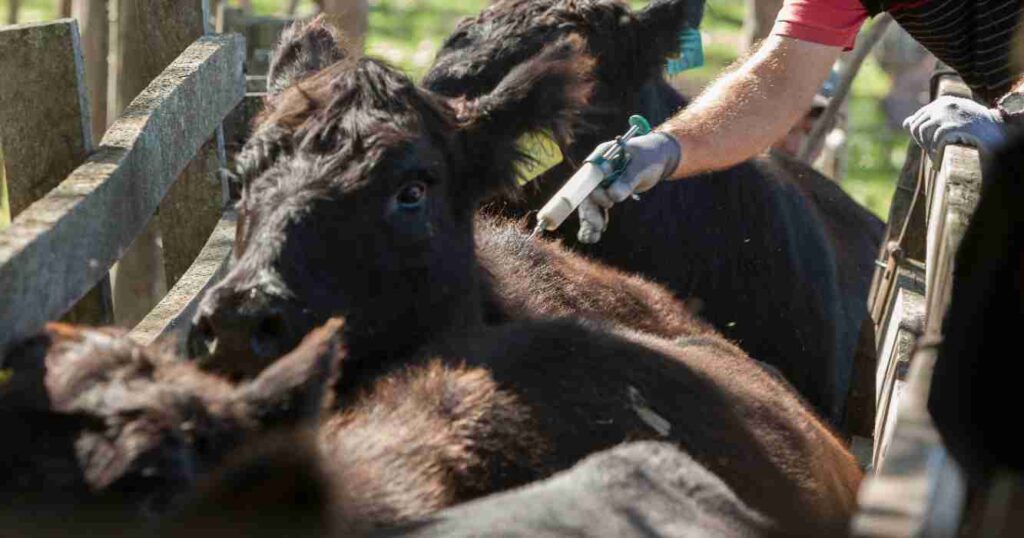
751 107
737 117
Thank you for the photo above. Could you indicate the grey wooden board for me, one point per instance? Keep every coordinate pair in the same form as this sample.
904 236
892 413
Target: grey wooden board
40 157
190 210
64 243
917 490
44 117
170 318
95 29
905 326
152 33
956 191
906 313
261 34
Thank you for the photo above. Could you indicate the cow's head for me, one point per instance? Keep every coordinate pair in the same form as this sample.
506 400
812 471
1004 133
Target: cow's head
630 48
359 194
89 416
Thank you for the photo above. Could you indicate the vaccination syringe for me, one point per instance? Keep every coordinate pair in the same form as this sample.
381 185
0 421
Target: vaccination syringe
600 168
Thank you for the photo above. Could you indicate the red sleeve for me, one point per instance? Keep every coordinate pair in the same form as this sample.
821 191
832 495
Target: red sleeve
827 22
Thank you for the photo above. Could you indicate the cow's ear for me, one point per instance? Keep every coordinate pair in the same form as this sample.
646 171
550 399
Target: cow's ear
303 50
656 30
297 387
545 94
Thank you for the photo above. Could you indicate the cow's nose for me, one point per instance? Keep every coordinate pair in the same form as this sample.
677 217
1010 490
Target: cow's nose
237 338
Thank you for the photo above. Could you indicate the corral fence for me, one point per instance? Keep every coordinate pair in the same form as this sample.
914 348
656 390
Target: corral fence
916 488
77 208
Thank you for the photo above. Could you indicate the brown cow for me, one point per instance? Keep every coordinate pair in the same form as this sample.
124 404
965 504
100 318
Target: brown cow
96 422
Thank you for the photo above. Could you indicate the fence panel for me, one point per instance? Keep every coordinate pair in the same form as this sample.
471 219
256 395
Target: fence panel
64 243
44 116
171 317
917 488
45 125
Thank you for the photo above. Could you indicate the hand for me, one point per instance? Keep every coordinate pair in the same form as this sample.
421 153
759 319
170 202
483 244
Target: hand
955 120
653 157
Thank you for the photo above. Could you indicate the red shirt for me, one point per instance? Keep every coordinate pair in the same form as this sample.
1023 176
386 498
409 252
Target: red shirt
827 22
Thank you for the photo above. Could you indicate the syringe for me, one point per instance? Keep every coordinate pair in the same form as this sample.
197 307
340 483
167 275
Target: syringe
600 168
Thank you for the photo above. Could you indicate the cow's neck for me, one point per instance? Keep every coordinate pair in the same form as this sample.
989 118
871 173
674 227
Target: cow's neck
402 340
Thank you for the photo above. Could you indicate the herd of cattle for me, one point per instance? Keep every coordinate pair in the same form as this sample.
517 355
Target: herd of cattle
390 341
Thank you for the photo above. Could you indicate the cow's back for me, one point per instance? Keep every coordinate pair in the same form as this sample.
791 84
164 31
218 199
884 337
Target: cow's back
755 243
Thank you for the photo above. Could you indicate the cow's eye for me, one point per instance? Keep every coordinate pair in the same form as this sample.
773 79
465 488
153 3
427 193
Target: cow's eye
411 195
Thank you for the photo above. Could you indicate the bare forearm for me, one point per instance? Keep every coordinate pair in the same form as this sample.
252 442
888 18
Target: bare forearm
748 109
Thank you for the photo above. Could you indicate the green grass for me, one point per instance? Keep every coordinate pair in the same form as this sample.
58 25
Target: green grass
407 33
31 10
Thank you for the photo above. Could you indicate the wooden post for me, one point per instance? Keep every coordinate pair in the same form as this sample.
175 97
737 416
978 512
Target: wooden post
352 18
846 76
64 9
63 244
5 206
93 19
12 11
758 19
150 35
44 84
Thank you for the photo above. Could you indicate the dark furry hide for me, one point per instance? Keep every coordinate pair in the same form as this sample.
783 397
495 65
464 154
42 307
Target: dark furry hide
780 258
972 384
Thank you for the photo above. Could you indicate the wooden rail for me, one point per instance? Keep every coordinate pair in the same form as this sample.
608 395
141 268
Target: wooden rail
172 315
917 489
64 243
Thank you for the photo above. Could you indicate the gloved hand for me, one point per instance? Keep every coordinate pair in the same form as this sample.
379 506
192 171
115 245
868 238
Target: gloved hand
955 120
653 157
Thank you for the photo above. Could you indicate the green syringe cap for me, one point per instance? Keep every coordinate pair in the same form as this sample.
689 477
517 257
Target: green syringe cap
641 123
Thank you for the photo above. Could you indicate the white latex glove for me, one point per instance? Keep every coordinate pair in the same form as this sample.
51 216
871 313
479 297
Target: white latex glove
653 157
955 120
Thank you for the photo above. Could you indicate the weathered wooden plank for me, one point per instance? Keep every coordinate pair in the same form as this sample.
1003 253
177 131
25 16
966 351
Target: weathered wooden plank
261 34
40 158
170 318
912 244
189 212
12 11
150 35
918 490
905 325
65 242
41 86
93 17
5 209
956 193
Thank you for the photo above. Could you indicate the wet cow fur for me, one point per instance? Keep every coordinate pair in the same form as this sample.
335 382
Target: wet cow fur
780 257
360 195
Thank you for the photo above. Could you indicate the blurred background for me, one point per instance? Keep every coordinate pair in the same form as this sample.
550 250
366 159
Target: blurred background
408 32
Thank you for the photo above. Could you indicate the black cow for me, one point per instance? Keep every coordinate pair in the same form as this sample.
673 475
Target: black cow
638 489
360 201
779 255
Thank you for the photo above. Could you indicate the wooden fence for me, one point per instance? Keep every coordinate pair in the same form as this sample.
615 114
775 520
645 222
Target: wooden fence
917 489
72 224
